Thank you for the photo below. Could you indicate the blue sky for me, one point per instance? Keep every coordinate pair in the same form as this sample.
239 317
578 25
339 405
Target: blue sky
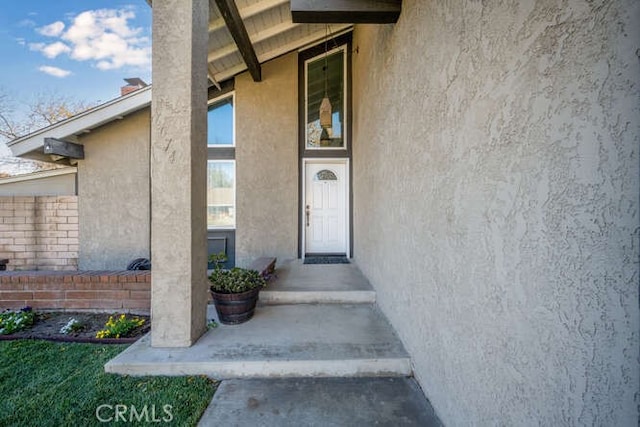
78 48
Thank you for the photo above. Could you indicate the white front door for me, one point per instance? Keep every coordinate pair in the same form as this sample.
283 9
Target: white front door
325 207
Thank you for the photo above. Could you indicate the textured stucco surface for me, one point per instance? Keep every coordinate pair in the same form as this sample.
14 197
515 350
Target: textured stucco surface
178 172
496 204
113 190
267 162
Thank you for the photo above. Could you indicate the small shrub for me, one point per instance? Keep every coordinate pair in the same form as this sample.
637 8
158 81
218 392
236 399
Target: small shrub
72 326
236 280
120 327
218 259
14 321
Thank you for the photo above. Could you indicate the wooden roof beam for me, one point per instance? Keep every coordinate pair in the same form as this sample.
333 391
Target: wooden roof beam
231 16
61 149
346 11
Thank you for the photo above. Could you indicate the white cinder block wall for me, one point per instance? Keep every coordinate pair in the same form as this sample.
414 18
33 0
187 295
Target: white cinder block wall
496 204
39 232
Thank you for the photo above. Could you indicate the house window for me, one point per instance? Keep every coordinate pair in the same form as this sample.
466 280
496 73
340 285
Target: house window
220 121
326 77
221 173
221 194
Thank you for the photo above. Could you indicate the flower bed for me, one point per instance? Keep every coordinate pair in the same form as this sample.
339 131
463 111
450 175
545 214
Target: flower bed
16 321
77 327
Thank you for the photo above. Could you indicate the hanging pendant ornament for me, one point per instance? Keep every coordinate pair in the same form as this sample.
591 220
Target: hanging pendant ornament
325 113
325 105
325 139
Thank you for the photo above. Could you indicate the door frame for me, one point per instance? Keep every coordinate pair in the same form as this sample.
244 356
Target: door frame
347 200
305 154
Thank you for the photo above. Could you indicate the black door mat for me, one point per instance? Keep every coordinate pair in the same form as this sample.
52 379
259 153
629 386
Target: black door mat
326 260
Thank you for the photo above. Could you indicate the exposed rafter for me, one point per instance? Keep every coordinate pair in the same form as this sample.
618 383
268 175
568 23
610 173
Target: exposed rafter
211 76
346 11
256 38
236 27
248 12
281 50
274 31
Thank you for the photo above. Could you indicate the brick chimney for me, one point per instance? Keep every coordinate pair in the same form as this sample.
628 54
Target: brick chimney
133 84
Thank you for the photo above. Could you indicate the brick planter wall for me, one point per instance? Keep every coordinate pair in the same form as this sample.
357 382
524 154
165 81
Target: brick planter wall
39 233
110 291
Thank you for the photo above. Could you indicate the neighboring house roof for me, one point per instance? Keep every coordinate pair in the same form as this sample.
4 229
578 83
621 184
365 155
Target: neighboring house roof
38 175
31 145
13 166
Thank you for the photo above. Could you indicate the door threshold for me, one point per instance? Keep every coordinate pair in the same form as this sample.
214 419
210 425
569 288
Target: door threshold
326 260
325 254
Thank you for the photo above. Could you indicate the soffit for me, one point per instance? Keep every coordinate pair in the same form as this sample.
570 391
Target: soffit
270 29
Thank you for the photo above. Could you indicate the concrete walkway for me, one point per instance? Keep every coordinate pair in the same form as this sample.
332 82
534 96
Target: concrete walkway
324 340
320 402
317 352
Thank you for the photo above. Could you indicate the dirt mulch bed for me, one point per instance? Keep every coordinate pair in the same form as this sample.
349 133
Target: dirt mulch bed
47 327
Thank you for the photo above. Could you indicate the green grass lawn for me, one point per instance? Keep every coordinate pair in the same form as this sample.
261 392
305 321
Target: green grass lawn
56 384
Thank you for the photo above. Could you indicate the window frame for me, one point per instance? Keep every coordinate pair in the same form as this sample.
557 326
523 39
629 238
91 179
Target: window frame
216 100
346 91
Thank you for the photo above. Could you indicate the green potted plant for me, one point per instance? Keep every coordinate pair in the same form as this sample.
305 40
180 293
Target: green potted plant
234 292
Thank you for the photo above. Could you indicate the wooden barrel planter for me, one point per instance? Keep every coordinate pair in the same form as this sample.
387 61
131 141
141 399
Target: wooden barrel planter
235 308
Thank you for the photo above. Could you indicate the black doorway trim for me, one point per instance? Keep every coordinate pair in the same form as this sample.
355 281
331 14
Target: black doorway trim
318 154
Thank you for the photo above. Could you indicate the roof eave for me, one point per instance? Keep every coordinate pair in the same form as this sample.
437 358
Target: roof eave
82 122
38 175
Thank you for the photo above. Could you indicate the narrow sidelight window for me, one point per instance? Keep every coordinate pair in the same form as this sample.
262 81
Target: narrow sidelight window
221 194
325 77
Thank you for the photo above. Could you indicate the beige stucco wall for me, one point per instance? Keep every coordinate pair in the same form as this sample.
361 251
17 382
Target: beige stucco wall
496 204
267 162
58 185
113 194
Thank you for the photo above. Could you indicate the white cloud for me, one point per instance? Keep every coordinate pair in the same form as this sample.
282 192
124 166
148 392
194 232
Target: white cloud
104 37
54 71
50 50
52 30
21 41
54 49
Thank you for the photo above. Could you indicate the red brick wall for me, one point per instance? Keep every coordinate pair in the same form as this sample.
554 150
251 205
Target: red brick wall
112 291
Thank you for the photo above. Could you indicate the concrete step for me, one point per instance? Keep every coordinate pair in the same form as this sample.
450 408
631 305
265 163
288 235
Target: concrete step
320 402
273 297
324 340
297 283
